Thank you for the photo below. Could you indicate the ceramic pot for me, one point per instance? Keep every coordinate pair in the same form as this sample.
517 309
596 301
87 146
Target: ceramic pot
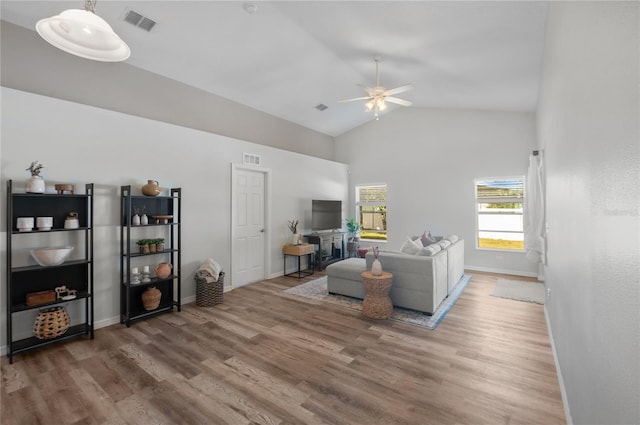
71 222
151 298
295 239
35 184
376 268
151 188
163 270
44 223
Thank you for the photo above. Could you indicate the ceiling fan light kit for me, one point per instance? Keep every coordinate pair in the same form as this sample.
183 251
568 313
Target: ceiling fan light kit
378 96
85 34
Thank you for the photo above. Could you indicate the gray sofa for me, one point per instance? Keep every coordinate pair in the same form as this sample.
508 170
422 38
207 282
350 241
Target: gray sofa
419 282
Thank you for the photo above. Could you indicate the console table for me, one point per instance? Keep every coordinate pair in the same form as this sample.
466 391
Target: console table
330 247
299 251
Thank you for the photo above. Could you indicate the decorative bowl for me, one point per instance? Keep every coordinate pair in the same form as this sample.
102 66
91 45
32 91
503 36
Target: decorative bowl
53 256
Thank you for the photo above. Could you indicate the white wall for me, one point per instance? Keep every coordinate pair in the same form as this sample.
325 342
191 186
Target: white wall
83 144
429 159
588 127
29 64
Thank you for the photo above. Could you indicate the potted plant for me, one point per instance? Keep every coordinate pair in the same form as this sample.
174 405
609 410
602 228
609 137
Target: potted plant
159 244
35 184
144 246
152 245
352 243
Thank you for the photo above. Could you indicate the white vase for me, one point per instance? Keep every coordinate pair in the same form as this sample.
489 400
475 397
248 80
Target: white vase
144 220
35 184
295 238
376 268
136 220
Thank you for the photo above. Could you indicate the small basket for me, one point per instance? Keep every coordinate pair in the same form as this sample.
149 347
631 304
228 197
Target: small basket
51 323
209 294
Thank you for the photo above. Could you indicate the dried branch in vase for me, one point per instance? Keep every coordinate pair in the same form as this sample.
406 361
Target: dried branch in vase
293 226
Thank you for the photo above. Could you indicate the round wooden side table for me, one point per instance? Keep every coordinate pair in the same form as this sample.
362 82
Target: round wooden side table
377 304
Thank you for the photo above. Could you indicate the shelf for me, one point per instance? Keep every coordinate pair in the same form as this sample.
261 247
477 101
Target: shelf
37 267
32 342
154 225
131 305
24 307
138 254
147 314
50 195
53 230
154 281
76 274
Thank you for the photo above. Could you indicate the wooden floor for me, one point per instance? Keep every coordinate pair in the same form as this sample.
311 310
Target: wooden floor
265 358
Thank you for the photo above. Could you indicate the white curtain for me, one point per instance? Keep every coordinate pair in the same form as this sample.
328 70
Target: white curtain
534 229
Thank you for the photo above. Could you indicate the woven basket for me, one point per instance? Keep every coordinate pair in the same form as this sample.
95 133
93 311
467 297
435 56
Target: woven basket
151 298
51 323
209 294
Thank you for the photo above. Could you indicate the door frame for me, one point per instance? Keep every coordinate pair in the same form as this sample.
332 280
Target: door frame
266 240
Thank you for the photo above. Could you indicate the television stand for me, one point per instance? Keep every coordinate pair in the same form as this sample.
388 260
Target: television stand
330 247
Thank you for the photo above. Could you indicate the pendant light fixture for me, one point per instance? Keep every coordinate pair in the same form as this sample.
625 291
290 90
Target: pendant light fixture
85 34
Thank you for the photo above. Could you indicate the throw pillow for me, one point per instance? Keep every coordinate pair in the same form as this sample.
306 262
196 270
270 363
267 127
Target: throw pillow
411 247
452 238
427 239
444 243
430 250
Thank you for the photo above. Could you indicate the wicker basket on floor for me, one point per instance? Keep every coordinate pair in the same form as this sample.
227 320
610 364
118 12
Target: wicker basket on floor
209 294
51 323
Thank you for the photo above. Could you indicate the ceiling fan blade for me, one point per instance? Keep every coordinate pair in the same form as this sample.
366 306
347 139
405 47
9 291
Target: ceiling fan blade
355 98
398 101
397 90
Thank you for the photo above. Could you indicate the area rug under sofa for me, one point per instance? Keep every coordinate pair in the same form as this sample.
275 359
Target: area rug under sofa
317 290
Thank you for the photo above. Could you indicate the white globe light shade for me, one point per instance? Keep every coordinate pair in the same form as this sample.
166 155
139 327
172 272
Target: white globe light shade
85 34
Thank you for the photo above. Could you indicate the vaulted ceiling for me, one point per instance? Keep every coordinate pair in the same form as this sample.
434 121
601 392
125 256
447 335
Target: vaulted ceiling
285 58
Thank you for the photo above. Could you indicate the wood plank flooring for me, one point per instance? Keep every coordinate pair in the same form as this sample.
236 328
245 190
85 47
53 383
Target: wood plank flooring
262 357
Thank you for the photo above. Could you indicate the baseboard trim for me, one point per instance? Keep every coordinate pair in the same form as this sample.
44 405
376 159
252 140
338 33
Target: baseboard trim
103 323
563 392
501 271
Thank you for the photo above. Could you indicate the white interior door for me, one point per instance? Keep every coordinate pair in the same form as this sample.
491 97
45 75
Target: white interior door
248 232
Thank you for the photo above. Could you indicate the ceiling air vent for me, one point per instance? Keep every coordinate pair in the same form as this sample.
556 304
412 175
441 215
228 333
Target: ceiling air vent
134 18
321 107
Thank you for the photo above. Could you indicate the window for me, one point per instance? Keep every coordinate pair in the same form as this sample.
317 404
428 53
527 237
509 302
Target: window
371 211
499 206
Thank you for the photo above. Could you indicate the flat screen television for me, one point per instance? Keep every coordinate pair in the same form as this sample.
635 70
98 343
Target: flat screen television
326 215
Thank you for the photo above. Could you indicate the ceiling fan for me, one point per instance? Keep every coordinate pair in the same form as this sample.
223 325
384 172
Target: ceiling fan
378 96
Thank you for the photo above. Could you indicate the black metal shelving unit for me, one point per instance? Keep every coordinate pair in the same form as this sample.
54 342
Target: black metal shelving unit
131 305
76 274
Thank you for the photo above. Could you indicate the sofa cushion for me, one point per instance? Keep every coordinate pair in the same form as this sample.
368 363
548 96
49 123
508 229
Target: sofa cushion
430 250
350 268
444 243
411 247
452 238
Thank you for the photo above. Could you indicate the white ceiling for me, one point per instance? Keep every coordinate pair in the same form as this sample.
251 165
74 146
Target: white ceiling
287 57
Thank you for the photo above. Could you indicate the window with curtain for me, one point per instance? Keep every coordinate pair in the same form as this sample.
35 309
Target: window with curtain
371 211
499 212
